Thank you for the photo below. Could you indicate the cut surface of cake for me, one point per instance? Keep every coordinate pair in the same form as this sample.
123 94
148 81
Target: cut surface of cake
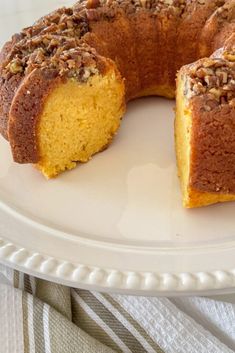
81 116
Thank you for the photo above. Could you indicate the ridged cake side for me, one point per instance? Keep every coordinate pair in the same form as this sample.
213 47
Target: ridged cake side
205 125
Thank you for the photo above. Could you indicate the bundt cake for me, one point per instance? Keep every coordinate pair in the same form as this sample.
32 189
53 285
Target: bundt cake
64 83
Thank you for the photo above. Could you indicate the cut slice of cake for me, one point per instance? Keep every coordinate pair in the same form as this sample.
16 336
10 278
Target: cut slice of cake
205 130
67 108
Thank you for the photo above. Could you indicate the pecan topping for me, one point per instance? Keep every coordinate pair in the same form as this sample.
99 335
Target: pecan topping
15 67
66 55
214 78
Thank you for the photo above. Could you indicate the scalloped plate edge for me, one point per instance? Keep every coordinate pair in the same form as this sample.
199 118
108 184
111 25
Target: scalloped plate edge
100 279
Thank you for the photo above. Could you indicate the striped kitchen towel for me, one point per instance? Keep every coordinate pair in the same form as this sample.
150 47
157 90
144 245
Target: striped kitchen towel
37 316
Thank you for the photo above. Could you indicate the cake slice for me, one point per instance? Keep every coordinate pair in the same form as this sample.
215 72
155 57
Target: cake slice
205 130
67 107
